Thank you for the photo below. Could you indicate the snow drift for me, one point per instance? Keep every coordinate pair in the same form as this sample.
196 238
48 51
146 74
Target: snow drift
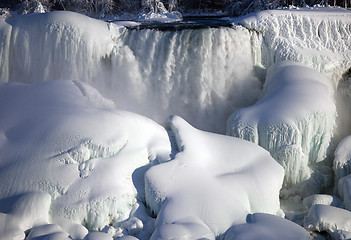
63 138
217 179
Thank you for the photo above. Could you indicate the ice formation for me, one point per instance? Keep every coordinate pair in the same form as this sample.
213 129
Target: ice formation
294 125
342 160
63 138
216 180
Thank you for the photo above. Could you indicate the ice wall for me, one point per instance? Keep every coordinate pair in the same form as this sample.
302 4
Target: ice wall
202 75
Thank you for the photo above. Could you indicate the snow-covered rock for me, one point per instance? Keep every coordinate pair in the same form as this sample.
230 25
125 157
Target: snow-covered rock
216 179
344 190
327 218
293 124
267 227
323 199
63 138
342 160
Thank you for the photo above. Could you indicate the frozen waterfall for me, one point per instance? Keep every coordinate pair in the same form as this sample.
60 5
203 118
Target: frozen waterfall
202 75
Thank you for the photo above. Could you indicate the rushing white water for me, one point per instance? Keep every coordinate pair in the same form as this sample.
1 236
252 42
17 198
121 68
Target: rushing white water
202 75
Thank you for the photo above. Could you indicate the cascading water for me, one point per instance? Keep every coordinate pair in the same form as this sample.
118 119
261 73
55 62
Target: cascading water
202 75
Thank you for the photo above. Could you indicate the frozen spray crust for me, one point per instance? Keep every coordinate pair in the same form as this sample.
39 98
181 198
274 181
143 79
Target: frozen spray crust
215 179
54 139
293 120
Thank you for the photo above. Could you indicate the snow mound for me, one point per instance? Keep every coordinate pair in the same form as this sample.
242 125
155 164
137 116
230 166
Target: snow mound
62 138
318 38
294 125
21 212
342 160
268 227
327 218
214 178
48 231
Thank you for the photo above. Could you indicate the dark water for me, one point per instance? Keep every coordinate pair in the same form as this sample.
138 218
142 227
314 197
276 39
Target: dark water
185 23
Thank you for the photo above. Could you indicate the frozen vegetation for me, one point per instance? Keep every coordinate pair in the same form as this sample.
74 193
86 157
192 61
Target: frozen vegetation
77 163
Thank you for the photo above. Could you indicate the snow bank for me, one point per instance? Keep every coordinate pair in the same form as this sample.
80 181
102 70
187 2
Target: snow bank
327 218
63 138
342 160
266 226
319 38
293 124
216 179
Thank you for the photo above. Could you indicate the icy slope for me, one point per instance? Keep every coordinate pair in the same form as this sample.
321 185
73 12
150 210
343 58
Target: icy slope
293 120
214 180
319 38
64 138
